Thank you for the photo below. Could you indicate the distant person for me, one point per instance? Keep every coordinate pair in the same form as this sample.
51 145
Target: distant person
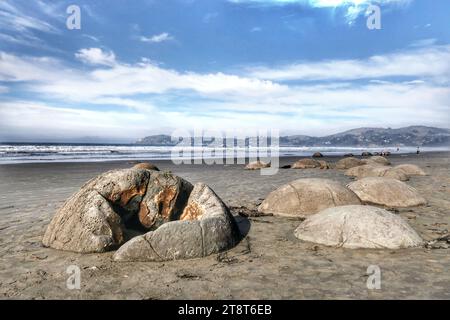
418 150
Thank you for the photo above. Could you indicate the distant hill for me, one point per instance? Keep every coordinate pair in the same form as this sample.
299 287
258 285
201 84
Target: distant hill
157 140
360 137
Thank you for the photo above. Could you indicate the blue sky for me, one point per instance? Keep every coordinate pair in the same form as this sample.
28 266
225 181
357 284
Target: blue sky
143 67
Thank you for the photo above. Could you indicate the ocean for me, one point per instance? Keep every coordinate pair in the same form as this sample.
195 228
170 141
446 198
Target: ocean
34 153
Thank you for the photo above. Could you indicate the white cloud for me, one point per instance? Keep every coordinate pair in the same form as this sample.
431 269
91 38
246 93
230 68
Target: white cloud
426 62
157 38
13 18
220 101
96 56
34 119
424 42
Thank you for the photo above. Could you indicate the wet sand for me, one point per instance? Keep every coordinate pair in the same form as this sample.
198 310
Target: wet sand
269 263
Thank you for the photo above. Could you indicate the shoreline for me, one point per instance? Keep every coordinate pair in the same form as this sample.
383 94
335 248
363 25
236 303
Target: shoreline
155 161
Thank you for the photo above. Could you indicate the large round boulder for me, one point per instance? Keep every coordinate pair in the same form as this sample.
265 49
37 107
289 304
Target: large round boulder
317 155
411 170
256 165
386 192
205 227
356 227
306 164
348 163
303 197
379 159
369 170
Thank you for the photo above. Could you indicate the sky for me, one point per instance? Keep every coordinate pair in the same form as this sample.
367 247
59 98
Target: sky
143 67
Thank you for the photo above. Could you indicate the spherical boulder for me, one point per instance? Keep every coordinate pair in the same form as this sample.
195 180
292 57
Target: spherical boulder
386 192
380 160
256 165
317 155
348 163
357 226
205 227
306 164
303 197
146 165
411 170
369 170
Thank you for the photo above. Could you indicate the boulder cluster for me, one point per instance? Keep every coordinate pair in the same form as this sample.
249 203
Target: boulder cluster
352 216
148 215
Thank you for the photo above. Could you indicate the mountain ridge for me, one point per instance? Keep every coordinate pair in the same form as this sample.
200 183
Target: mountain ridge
421 136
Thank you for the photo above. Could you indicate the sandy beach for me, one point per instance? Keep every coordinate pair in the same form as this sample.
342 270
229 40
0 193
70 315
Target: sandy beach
269 263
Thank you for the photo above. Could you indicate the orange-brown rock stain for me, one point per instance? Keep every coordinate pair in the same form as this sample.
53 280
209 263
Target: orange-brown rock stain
164 201
192 212
125 196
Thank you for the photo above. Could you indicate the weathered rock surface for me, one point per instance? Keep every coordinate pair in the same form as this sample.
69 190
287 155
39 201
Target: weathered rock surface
307 196
255 165
205 227
369 170
358 226
348 163
387 192
146 165
306 164
164 200
411 170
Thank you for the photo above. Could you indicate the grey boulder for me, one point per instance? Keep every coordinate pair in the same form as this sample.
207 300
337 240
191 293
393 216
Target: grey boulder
303 197
356 227
386 192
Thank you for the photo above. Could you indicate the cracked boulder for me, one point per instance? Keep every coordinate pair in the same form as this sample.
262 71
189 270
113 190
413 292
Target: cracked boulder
204 227
117 205
386 192
358 226
304 197
348 163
